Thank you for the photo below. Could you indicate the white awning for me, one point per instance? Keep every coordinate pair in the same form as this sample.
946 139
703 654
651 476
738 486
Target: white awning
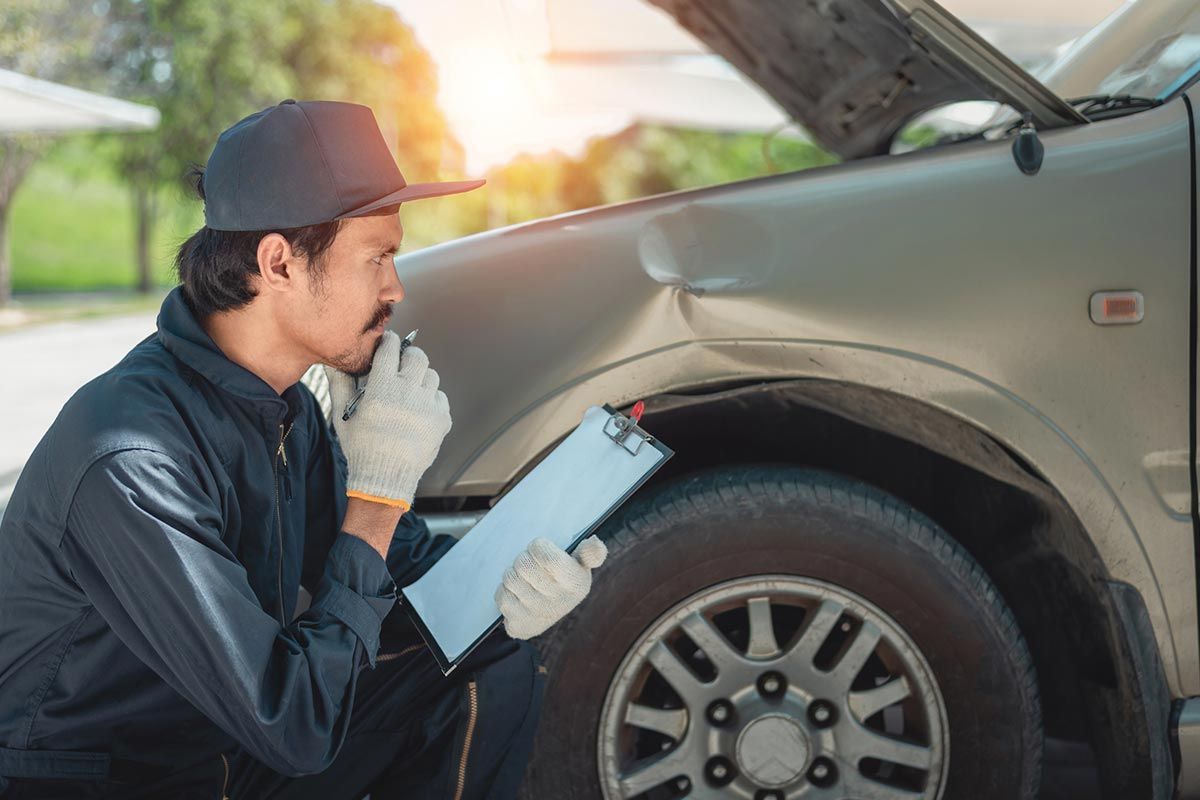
29 105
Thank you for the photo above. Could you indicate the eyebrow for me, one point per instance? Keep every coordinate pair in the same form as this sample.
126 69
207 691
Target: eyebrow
385 246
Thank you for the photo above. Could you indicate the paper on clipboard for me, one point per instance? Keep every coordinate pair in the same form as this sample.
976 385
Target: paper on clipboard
563 499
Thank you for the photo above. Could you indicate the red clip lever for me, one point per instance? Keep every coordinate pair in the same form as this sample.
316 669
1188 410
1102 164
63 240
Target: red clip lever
636 413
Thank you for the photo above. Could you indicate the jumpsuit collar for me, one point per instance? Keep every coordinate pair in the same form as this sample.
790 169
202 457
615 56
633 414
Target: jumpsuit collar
183 336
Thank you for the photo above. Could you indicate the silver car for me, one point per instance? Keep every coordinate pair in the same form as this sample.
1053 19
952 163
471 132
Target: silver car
934 498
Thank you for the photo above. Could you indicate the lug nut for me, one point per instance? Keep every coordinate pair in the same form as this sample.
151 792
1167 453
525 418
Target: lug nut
719 712
768 794
771 684
683 785
822 773
720 770
822 713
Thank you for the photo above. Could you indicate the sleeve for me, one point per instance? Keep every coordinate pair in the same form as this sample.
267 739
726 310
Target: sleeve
412 550
143 539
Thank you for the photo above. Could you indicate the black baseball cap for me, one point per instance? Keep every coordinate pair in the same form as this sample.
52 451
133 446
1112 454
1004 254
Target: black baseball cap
303 162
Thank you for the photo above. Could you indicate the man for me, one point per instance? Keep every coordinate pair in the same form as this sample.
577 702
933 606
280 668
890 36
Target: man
153 550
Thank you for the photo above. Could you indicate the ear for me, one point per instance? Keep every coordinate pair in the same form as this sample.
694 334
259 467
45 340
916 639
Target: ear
275 262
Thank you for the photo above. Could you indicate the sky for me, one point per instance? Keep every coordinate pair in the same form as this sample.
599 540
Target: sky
504 92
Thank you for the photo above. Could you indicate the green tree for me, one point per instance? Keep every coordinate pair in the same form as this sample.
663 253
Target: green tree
363 52
207 63
203 65
640 161
51 40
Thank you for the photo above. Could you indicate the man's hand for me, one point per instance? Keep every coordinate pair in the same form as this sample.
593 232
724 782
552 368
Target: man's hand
397 428
545 583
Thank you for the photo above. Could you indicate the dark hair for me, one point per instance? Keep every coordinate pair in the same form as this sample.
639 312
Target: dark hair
216 268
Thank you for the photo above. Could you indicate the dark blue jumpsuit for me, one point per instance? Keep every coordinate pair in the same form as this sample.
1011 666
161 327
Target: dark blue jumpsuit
150 563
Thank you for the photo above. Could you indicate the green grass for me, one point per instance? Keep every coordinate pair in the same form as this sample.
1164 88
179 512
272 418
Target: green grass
72 228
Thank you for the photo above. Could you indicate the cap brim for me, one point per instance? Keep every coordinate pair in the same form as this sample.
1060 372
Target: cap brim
415 191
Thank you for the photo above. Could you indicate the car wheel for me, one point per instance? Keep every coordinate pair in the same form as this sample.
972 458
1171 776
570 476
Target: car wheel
777 632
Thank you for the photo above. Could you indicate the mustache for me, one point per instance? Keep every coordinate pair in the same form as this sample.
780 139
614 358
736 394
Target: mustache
382 315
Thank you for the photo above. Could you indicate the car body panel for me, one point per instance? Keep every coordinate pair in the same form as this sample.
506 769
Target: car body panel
945 275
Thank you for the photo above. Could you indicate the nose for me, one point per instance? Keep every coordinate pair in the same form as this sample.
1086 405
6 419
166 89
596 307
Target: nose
394 291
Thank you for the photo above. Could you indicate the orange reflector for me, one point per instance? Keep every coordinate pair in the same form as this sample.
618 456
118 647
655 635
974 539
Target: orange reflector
1117 308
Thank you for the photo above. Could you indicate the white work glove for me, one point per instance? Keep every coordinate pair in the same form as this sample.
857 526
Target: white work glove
397 428
545 583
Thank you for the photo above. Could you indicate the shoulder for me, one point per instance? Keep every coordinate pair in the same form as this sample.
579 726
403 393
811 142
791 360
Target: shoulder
139 408
136 403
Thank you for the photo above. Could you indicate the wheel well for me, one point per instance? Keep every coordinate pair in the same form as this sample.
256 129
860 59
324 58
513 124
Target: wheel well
1093 685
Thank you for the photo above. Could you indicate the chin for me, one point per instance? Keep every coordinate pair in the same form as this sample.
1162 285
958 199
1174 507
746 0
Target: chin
362 365
354 364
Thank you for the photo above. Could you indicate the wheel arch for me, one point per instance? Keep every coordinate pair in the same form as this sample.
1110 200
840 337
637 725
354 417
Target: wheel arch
1090 636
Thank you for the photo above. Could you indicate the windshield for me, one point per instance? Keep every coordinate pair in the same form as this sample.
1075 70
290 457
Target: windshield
1148 48
1160 69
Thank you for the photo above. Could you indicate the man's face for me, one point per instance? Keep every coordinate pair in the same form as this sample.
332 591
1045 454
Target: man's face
341 317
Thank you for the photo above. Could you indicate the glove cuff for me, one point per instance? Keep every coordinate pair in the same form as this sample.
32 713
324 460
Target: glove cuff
403 505
389 483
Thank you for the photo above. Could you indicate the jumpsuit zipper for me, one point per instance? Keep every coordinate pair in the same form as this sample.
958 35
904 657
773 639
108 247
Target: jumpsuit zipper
225 785
280 453
472 714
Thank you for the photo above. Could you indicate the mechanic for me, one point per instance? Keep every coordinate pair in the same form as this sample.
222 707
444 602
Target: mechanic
151 643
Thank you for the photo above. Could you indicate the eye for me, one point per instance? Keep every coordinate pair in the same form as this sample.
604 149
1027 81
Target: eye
386 254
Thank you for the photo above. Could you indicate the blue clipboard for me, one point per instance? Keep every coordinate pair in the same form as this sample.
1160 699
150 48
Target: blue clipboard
565 498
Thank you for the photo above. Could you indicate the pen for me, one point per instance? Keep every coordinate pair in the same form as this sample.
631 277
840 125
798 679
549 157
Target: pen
405 343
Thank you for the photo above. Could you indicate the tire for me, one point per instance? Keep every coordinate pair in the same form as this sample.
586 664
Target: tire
806 540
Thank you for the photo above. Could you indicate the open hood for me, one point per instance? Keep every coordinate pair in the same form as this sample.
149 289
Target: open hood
852 73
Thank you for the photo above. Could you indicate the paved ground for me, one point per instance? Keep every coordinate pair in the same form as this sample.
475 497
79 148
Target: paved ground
43 366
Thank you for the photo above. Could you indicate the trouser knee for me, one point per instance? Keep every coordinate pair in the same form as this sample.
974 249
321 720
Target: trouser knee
511 678
504 697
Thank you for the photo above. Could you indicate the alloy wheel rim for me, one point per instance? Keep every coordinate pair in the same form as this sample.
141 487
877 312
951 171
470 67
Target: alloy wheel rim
773 688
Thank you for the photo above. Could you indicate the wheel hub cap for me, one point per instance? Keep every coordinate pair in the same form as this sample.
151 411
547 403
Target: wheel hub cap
823 694
773 750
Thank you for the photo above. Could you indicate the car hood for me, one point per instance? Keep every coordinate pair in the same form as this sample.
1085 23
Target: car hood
852 73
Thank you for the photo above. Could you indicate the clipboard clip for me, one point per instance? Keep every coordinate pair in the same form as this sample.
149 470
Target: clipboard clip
619 428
